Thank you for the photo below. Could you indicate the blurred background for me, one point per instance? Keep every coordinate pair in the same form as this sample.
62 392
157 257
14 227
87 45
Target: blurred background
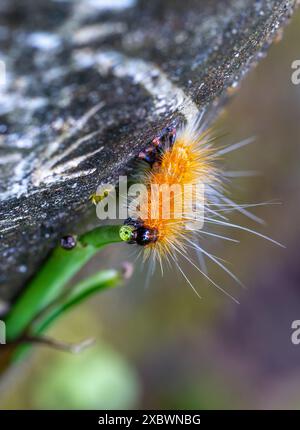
162 347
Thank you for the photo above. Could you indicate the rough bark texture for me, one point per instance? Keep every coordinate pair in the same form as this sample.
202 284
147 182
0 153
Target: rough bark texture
88 83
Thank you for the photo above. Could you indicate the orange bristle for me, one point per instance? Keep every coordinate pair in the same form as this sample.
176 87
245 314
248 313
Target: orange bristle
187 163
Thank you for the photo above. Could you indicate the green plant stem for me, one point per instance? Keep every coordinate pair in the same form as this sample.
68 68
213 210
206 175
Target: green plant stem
48 283
93 284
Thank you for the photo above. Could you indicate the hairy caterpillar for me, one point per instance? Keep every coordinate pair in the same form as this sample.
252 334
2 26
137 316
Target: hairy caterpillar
184 157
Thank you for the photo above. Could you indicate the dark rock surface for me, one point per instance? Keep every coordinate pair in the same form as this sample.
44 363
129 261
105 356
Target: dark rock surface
88 83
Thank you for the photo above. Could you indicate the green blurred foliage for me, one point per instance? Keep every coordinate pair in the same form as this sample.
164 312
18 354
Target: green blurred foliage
98 378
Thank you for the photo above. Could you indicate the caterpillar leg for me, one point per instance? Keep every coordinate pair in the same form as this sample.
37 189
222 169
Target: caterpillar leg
153 152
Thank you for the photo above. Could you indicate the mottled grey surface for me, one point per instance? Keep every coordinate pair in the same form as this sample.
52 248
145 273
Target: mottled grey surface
88 83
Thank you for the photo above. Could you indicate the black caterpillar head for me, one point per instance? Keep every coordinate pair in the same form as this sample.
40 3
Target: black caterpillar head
142 234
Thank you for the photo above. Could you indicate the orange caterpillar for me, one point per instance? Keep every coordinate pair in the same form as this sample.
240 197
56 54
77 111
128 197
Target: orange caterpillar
183 159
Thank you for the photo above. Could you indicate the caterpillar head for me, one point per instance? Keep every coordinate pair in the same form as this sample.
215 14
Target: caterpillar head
139 233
